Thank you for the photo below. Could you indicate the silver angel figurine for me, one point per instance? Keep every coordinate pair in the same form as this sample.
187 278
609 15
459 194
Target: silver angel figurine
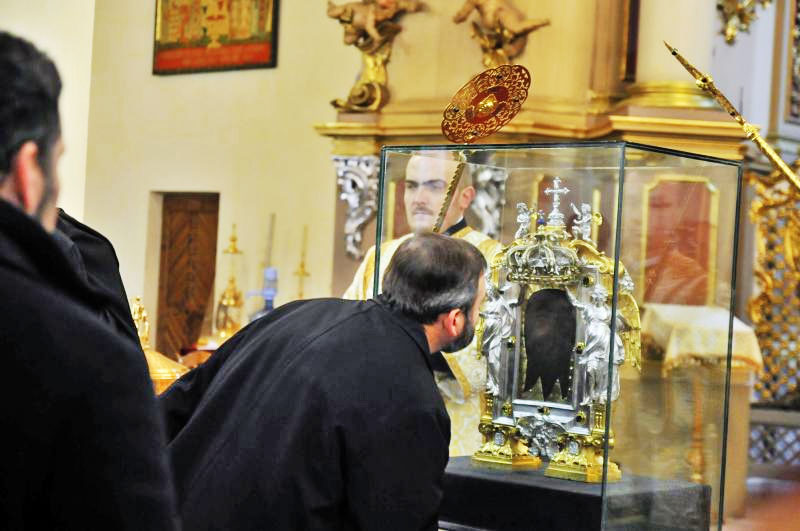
595 355
524 220
498 323
490 193
582 225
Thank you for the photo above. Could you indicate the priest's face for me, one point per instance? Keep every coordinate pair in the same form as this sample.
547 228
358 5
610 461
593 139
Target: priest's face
470 320
425 189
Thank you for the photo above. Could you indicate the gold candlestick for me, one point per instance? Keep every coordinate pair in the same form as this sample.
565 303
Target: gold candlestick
229 309
163 371
301 273
706 83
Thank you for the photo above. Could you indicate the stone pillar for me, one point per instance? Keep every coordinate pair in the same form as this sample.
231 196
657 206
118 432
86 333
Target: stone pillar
689 26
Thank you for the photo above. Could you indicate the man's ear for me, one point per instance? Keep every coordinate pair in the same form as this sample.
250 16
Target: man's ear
450 322
27 176
466 196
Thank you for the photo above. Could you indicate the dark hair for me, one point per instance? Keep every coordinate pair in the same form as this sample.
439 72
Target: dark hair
431 274
29 90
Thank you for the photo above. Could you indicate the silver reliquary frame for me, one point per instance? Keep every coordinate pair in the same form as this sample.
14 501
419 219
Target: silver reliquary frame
548 338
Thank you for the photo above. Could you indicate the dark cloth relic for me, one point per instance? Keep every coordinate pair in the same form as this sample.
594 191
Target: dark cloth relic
480 498
323 414
83 443
549 341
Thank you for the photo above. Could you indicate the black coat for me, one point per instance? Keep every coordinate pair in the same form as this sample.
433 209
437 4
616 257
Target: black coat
322 415
82 445
93 257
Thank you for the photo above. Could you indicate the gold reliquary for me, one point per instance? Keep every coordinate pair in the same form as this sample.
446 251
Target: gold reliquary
579 237
554 340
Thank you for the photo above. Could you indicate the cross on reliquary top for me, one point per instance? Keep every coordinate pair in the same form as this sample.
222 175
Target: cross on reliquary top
556 217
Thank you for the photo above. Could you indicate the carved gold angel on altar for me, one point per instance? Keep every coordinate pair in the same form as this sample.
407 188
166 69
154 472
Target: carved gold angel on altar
370 26
370 22
502 30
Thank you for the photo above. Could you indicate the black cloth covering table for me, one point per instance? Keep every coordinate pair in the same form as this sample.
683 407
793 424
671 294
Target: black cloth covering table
479 497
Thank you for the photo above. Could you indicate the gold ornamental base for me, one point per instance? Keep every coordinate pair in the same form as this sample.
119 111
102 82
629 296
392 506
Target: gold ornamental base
503 448
586 466
581 456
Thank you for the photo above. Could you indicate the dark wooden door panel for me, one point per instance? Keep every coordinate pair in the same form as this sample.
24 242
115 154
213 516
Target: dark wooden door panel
188 264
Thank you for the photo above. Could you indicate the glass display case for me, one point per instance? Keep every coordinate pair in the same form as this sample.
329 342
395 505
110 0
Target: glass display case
607 332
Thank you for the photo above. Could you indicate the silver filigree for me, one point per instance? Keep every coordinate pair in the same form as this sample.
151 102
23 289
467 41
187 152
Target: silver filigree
541 434
357 178
499 438
490 198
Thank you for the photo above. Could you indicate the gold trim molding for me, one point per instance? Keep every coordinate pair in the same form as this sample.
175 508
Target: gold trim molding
418 123
672 94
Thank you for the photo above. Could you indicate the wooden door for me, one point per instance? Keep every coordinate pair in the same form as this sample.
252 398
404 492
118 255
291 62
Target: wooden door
188 265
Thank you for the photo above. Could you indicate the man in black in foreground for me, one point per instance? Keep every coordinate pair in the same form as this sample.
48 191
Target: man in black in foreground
82 444
324 414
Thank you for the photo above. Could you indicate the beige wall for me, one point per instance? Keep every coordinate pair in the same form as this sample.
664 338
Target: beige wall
248 134
245 134
63 30
454 57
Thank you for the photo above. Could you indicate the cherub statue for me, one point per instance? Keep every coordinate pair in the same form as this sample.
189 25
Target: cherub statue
524 220
595 354
582 225
498 322
370 25
370 22
502 30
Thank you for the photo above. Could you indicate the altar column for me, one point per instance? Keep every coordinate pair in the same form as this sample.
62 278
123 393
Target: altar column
688 25
664 106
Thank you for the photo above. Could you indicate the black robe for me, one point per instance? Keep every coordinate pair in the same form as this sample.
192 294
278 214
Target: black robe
82 443
322 415
93 257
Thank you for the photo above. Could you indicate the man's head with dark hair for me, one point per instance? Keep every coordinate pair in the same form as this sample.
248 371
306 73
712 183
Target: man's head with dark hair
437 281
30 128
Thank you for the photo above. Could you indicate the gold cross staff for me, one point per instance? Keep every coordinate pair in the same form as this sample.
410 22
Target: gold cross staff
301 273
706 83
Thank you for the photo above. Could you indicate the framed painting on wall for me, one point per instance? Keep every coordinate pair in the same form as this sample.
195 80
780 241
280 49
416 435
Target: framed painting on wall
214 35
